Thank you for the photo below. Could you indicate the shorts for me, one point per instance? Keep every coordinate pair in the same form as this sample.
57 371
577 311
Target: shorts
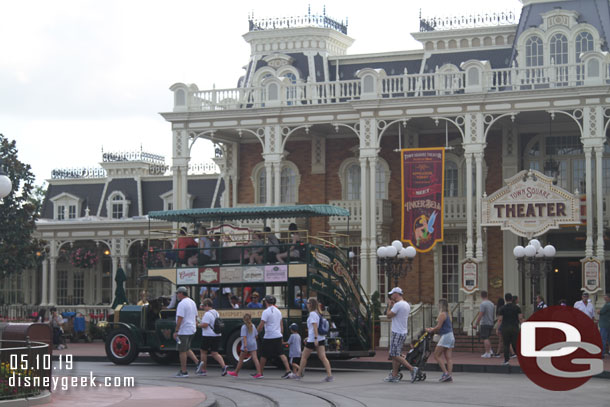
295 360
210 343
447 341
185 342
312 345
272 348
485 331
396 343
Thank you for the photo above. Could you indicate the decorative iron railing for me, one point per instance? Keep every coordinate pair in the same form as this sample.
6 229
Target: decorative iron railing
70 173
133 156
466 21
309 20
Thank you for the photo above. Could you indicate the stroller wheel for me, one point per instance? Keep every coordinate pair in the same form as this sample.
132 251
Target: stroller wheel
423 377
399 376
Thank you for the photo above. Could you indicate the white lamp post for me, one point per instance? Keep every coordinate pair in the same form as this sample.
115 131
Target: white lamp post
5 183
395 260
534 261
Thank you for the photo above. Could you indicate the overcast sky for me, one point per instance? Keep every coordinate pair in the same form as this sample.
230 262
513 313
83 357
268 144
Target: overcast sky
78 76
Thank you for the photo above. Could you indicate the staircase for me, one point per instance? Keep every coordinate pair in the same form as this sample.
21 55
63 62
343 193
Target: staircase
474 344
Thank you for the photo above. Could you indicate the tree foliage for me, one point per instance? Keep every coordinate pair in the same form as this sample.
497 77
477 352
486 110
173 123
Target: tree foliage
18 214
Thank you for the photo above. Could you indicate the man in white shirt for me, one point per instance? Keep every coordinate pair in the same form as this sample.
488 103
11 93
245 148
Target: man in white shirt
585 306
210 340
186 320
398 311
271 321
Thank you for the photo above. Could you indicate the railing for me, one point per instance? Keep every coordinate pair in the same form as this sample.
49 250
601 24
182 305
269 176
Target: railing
37 366
455 209
383 213
24 312
399 86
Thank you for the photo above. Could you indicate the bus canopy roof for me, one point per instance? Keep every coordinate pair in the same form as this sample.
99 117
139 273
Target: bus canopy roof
249 212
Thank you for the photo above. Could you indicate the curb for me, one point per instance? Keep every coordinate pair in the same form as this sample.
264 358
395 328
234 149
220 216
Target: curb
360 365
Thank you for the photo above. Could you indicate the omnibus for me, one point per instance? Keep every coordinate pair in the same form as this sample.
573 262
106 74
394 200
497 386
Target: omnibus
321 269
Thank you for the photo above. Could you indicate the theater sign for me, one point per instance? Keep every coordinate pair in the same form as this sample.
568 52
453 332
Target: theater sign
529 205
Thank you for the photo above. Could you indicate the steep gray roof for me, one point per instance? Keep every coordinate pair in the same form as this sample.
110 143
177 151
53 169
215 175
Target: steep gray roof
498 58
347 71
89 193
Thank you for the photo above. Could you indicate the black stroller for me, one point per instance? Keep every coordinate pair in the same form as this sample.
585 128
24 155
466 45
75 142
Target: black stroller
418 356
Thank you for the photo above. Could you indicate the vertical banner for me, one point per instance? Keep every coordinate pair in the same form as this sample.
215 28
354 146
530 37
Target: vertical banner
423 179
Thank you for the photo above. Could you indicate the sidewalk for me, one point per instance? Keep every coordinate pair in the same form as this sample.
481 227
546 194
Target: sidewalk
463 361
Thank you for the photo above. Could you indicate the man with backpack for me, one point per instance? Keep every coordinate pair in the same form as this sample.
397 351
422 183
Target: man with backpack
211 329
271 321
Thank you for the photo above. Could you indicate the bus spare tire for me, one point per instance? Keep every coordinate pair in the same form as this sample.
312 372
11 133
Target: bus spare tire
163 358
121 347
233 349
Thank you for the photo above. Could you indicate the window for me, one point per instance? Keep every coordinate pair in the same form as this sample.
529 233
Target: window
62 287
117 206
72 212
289 183
288 191
78 287
559 49
451 179
584 43
381 180
353 182
450 273
534 51
61 212
262 186
350 175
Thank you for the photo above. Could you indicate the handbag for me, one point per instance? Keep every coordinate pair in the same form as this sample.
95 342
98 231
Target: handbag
436 338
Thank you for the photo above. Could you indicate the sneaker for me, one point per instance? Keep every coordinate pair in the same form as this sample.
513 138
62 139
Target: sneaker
182 374
414 374
199 368
231 373
224 370
506 363
391 379
257 376
496 355
448 378
286 375
328 379
514 355
486 355
202 373
443 377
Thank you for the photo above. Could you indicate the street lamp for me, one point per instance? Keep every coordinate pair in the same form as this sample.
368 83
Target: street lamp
5 183
534 261
395 260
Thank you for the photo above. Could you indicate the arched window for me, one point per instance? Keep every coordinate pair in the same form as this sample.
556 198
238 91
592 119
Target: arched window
584 43
117 206
289 183
353 182
262 186
288 189
559 49
451 179
350 176
534 51
382 179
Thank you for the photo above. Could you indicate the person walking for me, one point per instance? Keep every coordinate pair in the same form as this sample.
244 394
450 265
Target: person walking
186 320
509 318
271 321
444 347
248 345
486 318
210 341
604 325
294 348
315 341
585 306
539 303
398 311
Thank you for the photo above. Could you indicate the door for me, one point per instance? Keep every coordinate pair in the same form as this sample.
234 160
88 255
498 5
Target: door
564 281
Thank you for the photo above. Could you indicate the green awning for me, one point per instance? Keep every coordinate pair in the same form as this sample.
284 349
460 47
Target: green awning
249 212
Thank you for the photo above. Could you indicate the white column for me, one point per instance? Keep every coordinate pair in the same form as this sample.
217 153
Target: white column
479 178
115 267
277 170
180 169
53 281
469 242
45 282
268 183
364 249
589 187
372 193
599 195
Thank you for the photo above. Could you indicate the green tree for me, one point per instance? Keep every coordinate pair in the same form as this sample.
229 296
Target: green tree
18 214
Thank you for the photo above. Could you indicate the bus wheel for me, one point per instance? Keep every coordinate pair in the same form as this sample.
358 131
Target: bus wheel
233 349
121 347
163 358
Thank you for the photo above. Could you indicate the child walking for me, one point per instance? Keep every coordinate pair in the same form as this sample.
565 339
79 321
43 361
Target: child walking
294 350
248 344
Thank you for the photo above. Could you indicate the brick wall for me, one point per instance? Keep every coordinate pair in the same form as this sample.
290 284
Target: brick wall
493 182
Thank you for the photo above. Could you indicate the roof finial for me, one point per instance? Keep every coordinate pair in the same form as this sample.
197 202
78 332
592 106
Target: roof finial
324 11
309 9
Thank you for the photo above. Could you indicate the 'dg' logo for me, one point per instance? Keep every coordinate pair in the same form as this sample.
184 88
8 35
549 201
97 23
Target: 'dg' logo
560 348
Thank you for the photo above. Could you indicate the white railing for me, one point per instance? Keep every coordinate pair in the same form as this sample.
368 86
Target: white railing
399 86
383 214
455 209
23 312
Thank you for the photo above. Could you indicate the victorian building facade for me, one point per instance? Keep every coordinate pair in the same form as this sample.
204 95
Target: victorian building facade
309 123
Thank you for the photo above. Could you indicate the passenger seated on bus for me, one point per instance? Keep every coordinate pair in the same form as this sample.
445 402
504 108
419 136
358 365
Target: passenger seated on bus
234 302
255 301
216 243
254 254
187 256
154 312
293 251
299 302
205 246
223 301
273 244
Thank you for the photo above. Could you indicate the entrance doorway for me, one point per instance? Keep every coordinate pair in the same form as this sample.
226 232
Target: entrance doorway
564 281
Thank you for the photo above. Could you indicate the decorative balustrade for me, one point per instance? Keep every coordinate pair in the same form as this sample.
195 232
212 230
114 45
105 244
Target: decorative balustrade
475 79
383 214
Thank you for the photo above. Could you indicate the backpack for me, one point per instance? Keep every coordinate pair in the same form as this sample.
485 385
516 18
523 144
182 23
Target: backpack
323 326
219 324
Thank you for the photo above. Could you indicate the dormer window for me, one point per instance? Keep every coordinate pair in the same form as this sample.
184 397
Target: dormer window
66 206
117 206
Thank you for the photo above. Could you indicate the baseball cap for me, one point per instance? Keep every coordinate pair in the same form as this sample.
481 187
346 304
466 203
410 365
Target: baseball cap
585 294
182 290
294 327
226 290
396 290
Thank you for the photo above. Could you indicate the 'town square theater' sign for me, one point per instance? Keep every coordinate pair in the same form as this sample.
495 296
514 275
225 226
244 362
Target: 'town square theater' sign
529 205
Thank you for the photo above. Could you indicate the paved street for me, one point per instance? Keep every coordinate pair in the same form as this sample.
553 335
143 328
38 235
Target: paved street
156 386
